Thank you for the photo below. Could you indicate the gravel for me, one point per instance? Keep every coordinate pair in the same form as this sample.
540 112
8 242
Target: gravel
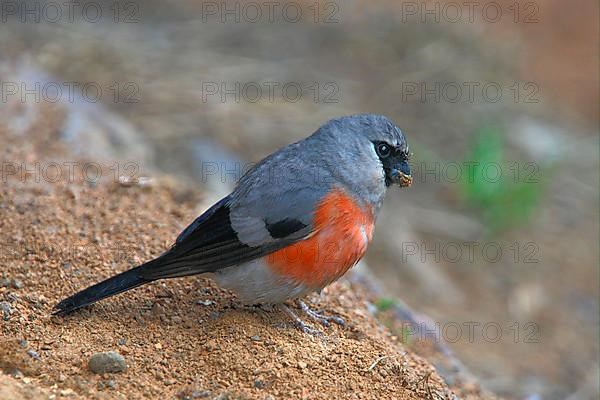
109 361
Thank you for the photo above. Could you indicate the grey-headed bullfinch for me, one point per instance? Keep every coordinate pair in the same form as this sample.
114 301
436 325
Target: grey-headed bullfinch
295 222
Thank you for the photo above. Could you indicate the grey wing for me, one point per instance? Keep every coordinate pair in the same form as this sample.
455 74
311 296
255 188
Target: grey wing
258 218
277 199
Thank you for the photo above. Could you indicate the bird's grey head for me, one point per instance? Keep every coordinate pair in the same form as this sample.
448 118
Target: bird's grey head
363 154
369 143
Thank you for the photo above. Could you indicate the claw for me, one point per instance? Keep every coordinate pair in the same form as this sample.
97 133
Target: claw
323 319
299 323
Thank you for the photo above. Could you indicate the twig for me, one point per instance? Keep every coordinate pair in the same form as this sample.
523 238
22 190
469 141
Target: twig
376 362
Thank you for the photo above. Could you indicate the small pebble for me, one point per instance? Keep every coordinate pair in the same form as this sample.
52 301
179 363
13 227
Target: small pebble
259 384
109 361
67 392
198 394
122 342
211 345
6 310
256 338
33 354
17 283
12 297
204 302
4 282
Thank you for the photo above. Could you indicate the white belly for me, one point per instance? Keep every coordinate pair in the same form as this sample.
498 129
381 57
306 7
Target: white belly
255 283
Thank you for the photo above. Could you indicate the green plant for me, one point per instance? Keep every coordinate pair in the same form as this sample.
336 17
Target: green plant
504 194
384 303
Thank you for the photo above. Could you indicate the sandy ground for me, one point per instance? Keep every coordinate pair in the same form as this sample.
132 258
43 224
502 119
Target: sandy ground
166 56
183 338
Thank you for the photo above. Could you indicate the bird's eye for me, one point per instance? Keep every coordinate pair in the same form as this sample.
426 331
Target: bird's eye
383 150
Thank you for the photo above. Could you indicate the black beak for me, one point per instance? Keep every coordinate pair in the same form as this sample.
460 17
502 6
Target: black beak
400 174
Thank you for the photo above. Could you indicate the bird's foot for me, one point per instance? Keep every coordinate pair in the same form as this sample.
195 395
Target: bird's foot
303 326
323 319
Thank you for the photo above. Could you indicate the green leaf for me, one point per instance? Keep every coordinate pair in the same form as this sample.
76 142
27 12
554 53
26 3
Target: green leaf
383 304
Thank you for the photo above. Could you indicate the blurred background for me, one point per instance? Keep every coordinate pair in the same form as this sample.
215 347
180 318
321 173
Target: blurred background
499 101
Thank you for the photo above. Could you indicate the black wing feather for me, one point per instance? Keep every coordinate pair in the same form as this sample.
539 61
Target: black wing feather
285 227
206 245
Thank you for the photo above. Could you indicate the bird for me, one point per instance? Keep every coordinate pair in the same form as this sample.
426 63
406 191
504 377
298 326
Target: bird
295 222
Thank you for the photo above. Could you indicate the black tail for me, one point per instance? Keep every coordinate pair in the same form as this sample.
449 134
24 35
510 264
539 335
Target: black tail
111 286
207 245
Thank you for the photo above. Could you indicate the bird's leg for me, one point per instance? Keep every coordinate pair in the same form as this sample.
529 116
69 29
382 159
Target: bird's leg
323 319
299 323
